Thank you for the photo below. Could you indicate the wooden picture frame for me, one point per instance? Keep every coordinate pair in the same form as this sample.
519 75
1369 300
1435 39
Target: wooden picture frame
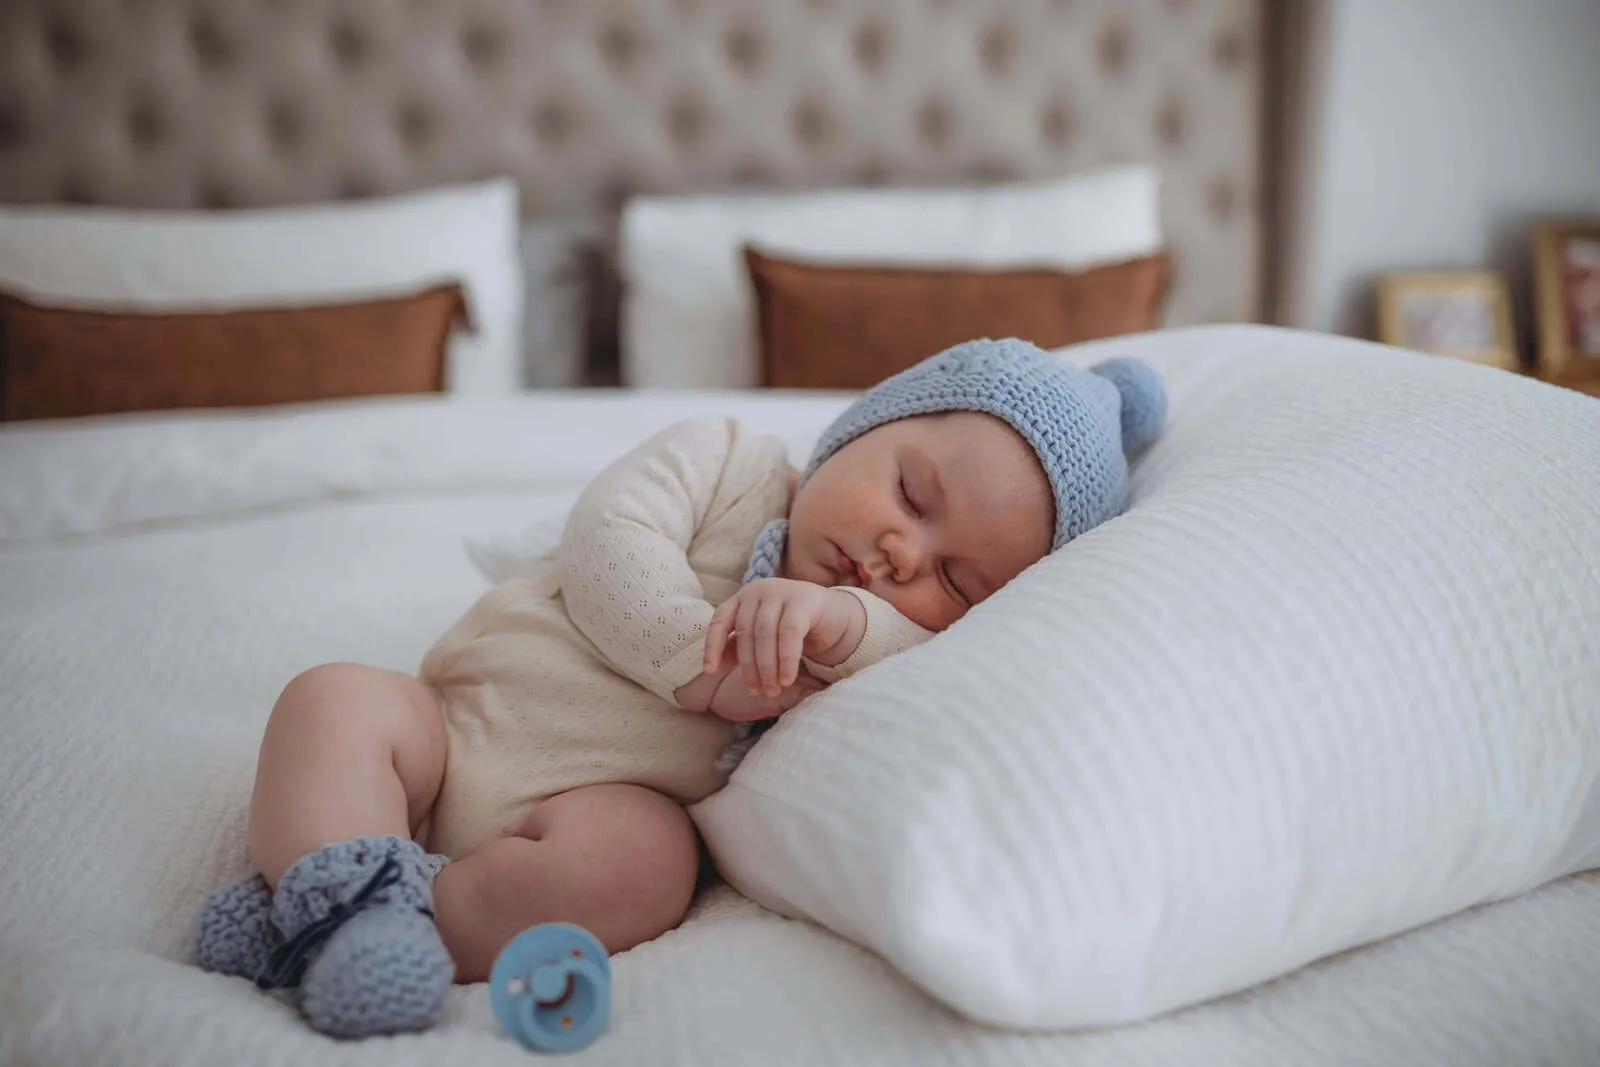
1463 314
1567 301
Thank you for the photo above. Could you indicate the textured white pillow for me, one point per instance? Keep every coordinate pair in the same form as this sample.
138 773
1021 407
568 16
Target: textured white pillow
688 314
276 256
1332 676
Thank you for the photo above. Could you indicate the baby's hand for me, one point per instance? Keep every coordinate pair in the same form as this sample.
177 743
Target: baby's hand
732 701
772 623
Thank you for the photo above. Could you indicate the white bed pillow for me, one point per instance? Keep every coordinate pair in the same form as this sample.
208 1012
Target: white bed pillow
1332 676
688 314
86 256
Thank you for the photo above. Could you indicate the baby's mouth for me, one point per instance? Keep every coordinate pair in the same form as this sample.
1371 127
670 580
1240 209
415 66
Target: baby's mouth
851 572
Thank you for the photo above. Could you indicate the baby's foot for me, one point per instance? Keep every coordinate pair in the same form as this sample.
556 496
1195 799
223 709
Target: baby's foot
360 938
234 933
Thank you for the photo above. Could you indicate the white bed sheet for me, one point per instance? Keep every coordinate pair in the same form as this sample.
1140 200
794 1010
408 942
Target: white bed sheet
162 577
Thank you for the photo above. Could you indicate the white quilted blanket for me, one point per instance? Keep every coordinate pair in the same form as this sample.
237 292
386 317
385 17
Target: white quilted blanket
160 578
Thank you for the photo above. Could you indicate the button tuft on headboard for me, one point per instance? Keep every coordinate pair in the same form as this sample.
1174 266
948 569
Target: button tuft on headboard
752 172
415 124
356 187
1056 124
873 172
1228 49
745 49
989 171
146 125
620 45
997 46
13 126
811 124
213 49
66 43
1221 197
481 44
687 122
553 123
870 43
1116 42
214 195
348 44
77 189
285 124
934 123
615 191
1171 122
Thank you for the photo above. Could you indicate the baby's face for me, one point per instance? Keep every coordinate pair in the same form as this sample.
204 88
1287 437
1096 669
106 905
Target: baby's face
932 514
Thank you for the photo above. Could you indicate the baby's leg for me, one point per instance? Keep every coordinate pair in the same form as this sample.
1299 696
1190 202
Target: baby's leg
350 751
619 860
350 763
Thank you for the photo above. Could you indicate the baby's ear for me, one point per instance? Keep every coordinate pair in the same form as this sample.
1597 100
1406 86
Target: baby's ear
1144 399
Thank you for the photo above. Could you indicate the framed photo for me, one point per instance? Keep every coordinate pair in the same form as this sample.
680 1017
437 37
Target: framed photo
1567 299
1464 314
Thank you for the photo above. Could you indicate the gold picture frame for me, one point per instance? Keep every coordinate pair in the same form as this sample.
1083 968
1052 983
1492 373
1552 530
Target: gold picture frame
1465 314
1566 289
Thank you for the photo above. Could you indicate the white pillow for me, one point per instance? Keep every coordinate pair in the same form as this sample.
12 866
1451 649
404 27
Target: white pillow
273 256
1332 676
688 313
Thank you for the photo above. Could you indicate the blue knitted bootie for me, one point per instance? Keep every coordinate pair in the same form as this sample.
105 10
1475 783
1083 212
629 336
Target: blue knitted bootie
359 938
234 933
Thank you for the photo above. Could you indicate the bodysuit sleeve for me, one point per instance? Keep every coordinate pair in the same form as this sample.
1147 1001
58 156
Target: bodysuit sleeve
887 633
623 558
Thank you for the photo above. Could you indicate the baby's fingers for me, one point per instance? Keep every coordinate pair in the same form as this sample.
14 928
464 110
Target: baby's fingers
744 639
767 663
717 636
792 632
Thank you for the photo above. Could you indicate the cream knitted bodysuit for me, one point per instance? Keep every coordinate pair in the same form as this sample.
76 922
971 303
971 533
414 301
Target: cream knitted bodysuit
566 678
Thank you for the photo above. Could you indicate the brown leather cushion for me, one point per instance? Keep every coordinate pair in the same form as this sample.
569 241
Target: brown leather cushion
62 362
849 327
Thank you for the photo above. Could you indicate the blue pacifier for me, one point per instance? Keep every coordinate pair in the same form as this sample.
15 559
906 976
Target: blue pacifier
551 988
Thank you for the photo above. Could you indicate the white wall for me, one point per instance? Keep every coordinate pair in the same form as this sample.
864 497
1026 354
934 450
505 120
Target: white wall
1442 129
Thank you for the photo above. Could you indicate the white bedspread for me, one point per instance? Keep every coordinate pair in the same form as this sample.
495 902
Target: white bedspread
162 577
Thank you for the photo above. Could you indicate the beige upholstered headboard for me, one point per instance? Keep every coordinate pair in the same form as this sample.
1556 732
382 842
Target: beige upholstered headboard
224 103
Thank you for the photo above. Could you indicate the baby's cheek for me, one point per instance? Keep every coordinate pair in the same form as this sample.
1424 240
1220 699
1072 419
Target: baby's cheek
930 609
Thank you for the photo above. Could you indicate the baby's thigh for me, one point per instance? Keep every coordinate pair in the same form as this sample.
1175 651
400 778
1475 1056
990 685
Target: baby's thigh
619 860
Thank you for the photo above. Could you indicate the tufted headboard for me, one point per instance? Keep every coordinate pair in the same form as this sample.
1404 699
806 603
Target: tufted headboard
225 103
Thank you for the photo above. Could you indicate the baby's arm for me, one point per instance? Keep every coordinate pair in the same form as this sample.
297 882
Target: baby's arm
623 558
625 574
884 633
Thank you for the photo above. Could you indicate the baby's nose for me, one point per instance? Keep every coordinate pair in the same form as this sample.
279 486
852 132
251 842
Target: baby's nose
902 553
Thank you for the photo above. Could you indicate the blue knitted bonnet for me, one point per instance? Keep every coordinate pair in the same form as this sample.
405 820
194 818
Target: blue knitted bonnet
1082 424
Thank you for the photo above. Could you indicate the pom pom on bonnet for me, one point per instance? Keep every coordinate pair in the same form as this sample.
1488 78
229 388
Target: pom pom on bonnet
1082 424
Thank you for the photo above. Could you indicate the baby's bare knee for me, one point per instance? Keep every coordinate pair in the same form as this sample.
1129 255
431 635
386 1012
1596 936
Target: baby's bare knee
357 696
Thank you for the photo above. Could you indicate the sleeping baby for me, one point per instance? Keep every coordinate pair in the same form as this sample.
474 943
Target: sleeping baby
536 768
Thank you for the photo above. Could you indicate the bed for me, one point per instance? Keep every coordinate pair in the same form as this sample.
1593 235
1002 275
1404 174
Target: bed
133 708
162 573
